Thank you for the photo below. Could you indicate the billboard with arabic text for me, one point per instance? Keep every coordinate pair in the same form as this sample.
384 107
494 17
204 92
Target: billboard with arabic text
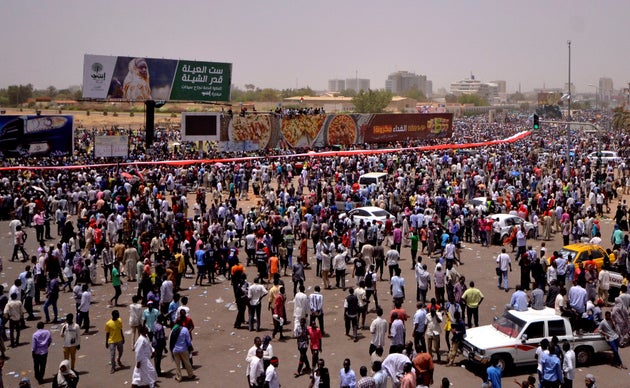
140 79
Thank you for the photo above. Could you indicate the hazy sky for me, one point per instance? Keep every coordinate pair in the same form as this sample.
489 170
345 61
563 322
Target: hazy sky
284 44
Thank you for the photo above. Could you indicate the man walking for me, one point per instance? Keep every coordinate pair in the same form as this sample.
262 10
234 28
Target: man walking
71 339
504 263
255 294
180 345
39 347
114 340
15 312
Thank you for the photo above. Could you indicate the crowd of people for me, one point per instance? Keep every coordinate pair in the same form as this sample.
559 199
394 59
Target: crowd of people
138 224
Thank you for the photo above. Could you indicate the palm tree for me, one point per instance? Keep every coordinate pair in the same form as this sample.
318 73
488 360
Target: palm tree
621 118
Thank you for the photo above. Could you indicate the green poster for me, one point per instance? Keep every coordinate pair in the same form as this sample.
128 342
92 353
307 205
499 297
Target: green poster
201 81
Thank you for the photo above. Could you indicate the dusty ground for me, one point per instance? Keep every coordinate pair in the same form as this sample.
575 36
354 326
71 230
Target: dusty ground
222 349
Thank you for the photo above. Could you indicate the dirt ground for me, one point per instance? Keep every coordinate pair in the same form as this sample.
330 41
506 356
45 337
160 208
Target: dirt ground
222 349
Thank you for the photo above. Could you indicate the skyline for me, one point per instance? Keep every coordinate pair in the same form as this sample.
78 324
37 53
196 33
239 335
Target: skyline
281 45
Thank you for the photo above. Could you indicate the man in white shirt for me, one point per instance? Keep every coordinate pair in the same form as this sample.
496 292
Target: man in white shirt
378 329
316 306
255 294
504 263
271 374
256 369
423 280
397 286
300 306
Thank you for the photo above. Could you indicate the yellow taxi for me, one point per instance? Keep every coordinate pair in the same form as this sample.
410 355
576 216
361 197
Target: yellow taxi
582 252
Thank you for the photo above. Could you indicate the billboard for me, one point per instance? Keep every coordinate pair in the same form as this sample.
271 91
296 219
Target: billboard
34 135
111 146
200 126
140 79
385 128
264 130
549 98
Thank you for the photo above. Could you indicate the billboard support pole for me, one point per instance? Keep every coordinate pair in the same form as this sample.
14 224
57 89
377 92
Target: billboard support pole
149 117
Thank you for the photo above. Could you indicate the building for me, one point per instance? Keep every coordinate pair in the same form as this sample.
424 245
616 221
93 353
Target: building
336 85
357 84
502 86
605 89
401 82
489 91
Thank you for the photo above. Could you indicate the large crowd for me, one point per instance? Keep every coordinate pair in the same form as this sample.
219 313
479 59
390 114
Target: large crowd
137 223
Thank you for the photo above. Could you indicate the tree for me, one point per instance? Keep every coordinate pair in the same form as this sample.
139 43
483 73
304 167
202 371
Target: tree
250 87
348 93
415 93
51 91
474 99
450 98
621 119
516 97
19 94
372 101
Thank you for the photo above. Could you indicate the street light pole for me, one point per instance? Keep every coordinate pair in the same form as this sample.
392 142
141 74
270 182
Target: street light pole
568 163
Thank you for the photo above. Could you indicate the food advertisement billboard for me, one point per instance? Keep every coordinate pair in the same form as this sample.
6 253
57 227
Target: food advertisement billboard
268 130
141 79
33 135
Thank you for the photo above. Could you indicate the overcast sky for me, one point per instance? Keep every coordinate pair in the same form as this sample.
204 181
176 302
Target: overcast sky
284 44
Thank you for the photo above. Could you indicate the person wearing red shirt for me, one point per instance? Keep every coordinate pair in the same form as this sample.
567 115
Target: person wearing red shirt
315 336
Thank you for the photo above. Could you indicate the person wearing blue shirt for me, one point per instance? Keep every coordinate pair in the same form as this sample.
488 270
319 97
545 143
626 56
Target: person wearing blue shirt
180 348
519 299
494 375
552 371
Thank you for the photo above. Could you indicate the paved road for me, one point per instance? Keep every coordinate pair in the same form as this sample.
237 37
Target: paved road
222 349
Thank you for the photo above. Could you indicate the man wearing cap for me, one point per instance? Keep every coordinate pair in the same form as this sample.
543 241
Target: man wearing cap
271 374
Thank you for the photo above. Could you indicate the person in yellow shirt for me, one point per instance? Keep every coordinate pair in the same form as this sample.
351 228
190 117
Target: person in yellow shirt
114 340
473 298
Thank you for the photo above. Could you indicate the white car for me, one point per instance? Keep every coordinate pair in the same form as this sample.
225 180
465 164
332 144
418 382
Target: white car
605 157
368 214
508 221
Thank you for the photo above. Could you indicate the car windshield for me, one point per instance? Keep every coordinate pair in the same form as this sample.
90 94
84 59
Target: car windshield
380 213
565 253
508 325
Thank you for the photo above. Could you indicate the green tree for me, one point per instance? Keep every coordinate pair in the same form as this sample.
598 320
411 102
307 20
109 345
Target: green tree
621 119
51 91
372 101
18 94
415 93
450 98
516 97
348 93
474 99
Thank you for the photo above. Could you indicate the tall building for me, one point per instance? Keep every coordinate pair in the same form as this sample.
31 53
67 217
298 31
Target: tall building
605 89
403 81
489 91
357 84
502 86
336 85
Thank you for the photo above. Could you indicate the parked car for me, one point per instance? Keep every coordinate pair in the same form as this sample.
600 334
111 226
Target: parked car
511 340
368 214
507 222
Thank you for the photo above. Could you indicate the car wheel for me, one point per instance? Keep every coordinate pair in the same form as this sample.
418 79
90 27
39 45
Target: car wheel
503 361
583 355
530 234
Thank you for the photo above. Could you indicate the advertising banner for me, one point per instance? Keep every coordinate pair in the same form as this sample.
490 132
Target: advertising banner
383 128
140 79
31 135
111 146
264 130
549 98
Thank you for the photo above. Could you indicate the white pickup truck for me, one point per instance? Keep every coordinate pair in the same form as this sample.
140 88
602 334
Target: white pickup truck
512 339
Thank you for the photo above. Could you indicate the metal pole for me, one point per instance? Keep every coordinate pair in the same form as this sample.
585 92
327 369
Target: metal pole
569 115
